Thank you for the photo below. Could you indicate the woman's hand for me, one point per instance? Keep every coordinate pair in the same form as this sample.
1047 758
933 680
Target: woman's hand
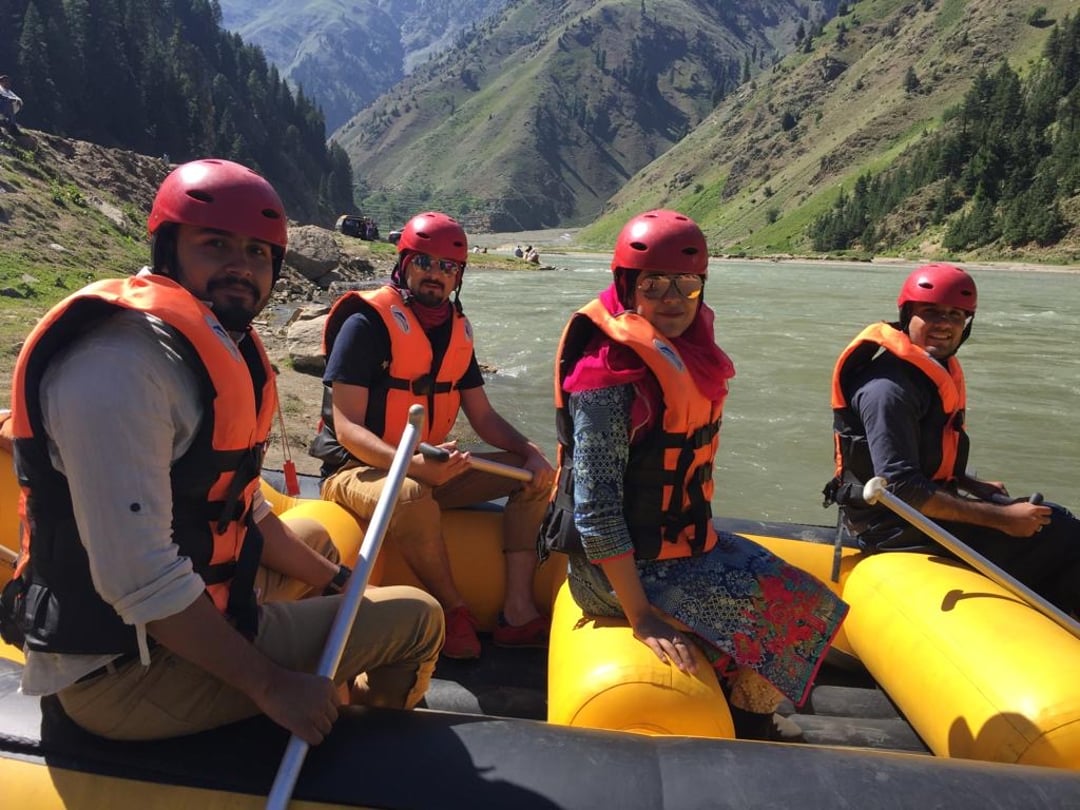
669 643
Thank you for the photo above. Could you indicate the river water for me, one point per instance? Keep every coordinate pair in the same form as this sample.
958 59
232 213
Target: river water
784 325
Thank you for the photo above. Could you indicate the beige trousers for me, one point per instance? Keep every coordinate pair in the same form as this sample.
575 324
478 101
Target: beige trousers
419 507
394 644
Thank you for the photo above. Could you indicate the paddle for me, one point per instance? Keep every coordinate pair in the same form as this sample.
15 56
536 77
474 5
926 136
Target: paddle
482 464
875 492
296 750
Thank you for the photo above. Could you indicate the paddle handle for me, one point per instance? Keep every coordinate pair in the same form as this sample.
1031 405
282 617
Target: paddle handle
875 492
296 750
482 464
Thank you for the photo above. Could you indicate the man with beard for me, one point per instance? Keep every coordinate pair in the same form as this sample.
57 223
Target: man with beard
409 342
156 593
899 401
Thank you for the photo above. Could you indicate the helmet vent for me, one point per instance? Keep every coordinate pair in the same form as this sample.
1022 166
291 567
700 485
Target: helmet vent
690 251
270 213
201 196
639 246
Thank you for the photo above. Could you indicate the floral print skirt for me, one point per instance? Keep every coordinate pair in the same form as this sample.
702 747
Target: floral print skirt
745 607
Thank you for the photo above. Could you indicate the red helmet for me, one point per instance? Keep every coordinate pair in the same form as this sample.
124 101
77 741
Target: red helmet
221 194
662 241
436 235
943 284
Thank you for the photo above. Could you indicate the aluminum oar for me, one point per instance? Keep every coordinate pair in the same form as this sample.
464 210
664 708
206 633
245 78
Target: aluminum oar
297 749
875 492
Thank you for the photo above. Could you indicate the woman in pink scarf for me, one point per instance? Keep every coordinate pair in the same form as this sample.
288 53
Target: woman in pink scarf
641 391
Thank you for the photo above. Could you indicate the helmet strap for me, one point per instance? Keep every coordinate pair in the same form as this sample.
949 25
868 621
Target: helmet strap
625 281
967 330
163 260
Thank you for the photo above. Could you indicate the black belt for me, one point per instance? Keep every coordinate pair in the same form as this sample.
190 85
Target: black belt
112 666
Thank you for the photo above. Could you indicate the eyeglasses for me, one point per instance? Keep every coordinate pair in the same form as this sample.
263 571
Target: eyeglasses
687 285
932 314
431 264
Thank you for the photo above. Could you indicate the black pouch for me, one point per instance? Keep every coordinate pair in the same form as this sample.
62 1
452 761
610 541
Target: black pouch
11 610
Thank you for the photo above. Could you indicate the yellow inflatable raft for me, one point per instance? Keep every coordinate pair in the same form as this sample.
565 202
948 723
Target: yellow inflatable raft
976 674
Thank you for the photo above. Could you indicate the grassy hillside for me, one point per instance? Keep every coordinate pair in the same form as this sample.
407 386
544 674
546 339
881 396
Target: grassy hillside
70 212
775 155
541 114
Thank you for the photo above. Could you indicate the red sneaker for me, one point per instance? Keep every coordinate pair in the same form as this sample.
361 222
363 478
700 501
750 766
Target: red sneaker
461 640
531 634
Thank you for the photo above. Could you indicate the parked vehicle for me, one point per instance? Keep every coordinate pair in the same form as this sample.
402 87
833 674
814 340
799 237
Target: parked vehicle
359 226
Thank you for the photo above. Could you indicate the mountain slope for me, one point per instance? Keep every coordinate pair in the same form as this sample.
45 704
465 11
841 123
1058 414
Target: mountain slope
776 154
345 53
542 113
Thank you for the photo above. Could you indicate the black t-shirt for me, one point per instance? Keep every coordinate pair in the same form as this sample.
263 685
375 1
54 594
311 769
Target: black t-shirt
361 356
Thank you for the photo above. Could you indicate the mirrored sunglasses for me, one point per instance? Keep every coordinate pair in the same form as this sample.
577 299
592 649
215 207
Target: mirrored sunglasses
430 264
687 285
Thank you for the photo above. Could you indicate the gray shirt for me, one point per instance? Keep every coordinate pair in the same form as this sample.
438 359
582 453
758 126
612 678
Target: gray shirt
120 406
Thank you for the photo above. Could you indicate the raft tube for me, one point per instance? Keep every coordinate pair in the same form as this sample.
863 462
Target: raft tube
473 538
978 673
601 677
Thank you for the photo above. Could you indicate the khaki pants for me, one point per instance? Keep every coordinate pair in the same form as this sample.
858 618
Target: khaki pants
419 507
394 644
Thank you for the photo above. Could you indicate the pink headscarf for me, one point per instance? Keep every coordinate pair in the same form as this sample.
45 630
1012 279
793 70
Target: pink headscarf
605 363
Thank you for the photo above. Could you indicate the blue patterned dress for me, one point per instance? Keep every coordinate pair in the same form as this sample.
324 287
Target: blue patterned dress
745 607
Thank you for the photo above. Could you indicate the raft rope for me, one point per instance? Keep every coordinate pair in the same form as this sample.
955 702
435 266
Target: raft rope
292 481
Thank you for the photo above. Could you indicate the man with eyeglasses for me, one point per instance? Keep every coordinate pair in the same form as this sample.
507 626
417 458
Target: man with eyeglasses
898 399
410 342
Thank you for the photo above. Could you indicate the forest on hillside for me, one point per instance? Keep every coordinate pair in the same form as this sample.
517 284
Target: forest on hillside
161 77
998 172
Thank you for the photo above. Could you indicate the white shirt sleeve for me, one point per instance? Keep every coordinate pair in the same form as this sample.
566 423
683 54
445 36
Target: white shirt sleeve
260 507
15 100
119 407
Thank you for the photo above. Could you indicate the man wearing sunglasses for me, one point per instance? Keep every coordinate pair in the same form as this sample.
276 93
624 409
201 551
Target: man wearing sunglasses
409 342
898 411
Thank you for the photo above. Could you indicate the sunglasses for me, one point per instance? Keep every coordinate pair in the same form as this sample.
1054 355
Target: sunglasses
686 285
430 263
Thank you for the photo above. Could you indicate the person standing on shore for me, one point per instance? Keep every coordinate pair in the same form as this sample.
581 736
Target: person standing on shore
10 104
899 400
409 342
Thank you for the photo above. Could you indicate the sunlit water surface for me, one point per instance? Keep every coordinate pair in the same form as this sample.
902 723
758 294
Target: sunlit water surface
784 325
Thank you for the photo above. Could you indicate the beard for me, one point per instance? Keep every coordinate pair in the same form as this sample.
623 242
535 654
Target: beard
234 317
231 310
429 298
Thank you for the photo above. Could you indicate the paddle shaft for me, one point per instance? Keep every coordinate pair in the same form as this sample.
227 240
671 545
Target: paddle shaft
482 464
296 750
875 492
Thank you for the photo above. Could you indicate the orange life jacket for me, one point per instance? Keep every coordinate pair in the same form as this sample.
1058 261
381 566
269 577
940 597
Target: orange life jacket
668 485
852 458
411 378
212 484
